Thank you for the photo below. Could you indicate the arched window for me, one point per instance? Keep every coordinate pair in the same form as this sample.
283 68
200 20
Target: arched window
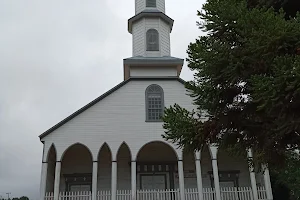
154 103
152 37
151 3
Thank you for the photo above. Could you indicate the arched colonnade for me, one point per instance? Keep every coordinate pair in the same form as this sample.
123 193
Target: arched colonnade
155 165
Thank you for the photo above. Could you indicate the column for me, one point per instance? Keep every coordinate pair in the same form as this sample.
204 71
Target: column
214 151
114 180
133 180
57 180
252 175
43 180
94 180
181 179
267 181
199 174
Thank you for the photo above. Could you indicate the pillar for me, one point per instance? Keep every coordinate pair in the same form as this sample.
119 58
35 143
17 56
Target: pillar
114 180
267 181
213 152
43 180
181 179
133 180
94 180
199 174
252 175
57 180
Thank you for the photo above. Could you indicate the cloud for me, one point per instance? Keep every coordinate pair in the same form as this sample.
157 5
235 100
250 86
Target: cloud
55 57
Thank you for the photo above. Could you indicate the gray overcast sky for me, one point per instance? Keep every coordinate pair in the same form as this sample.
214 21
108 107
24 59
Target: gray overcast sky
57 56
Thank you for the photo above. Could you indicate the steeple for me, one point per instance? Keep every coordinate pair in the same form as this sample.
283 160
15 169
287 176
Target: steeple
150 28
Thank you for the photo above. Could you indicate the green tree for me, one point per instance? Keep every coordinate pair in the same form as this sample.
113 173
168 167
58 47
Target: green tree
24 198
246 85
15 198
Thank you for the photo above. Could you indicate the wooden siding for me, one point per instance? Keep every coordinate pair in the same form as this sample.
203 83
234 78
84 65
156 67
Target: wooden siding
152 71
108 121
139 30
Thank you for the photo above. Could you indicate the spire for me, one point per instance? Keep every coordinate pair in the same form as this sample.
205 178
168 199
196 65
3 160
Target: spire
150 28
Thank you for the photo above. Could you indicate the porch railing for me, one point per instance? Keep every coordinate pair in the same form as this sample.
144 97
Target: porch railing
80 195
227 193
169 194
233 193
49 196
104 195
209 193
262 193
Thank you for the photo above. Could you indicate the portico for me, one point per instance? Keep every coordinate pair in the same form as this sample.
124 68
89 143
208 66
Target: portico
157 167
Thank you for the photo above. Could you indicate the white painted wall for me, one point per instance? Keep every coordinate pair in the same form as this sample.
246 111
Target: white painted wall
117 118
153 71
138 38
139 30
140 5
121 117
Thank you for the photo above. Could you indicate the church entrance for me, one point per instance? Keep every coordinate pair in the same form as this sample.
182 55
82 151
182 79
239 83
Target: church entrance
153 181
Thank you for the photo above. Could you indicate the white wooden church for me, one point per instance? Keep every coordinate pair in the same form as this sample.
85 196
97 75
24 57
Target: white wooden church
112 148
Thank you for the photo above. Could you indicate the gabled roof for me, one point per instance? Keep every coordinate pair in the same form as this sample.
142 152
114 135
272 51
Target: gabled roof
102 97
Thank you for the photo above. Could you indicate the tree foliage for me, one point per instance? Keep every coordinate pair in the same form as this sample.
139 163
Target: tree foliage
246 85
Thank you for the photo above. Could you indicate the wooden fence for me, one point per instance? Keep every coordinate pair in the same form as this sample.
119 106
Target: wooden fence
227 193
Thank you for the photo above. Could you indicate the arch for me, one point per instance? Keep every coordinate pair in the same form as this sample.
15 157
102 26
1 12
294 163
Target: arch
156 141
152 40
50 150
105 159
77 143
125 145
154 97
234 165
76 168
151 3
124 167
51 158
104 145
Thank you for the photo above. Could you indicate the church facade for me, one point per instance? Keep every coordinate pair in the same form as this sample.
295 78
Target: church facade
112 148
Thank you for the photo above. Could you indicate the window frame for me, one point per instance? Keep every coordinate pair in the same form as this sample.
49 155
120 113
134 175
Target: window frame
151 4
147 103
147 38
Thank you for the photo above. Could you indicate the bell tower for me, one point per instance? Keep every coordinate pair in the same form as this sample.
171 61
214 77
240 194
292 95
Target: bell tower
150 28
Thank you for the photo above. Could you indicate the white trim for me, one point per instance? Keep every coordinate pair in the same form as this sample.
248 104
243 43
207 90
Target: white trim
181 179
94 180
133 179
114 180
199 174
43 180
57 180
